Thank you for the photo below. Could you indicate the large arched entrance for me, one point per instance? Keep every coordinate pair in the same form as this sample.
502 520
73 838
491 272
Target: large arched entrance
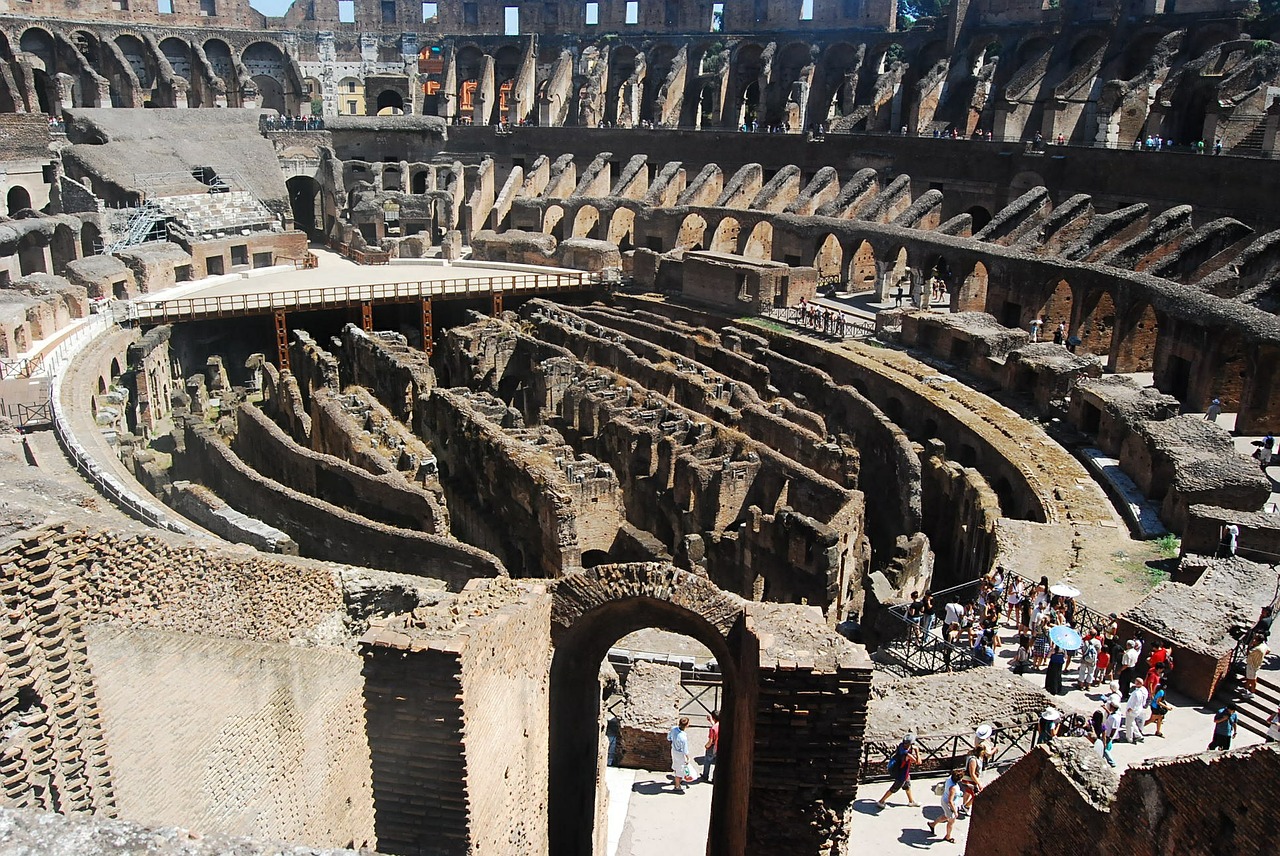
18 199
591 611
762 700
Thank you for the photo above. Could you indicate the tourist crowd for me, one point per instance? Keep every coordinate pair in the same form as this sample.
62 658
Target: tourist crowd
294 123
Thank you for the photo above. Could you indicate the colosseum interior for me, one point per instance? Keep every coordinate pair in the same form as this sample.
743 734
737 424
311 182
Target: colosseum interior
410 409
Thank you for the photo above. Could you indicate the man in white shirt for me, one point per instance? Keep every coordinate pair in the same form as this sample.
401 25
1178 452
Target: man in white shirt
1136 712
955 613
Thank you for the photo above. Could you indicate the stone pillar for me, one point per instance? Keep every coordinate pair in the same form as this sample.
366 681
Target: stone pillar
483 100
1269 137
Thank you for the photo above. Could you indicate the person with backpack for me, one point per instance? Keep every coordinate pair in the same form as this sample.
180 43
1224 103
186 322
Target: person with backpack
1224 727
904 758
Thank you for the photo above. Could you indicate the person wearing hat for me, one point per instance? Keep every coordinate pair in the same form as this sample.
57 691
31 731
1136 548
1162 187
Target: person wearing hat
1048 726
1214 411
971 783
904 758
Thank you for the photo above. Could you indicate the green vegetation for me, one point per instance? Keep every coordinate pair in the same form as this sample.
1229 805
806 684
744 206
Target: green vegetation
1261 46
910 11
1169 546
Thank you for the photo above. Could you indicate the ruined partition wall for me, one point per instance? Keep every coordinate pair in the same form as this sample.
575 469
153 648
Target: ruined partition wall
179 685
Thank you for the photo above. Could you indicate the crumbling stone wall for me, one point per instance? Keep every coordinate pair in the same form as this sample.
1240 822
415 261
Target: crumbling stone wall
462 688
652 703
396 374
323 530
1062 798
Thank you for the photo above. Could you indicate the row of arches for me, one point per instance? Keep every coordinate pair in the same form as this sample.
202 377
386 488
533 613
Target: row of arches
130 70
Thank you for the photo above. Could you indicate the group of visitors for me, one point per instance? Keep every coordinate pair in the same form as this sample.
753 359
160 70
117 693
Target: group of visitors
56 125
1156 143
1061 335
823 319
964 783
683 771
294 123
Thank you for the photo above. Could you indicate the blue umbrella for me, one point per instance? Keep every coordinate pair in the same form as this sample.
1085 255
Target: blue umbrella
1065 638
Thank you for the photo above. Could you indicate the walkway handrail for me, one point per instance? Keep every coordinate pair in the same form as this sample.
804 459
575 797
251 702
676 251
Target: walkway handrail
939 753
187 308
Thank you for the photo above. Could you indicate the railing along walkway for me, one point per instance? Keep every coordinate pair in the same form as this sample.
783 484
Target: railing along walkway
338 297
822 320
940 753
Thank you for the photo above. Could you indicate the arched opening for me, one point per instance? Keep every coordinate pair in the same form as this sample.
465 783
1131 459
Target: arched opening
586 222
759 244
90 240
786 104
270 94
1096 323
115 368
553 221
693 231
622 229
862 269
469 62
506 67
839 63
748 66
62 247
265 64
829 260
725 238
17 199
660 60
418 181
390 103
102 385
980 217
219 55
1134 347
896 281
304 194
617 106
1056 308
971 296
584 630
178 54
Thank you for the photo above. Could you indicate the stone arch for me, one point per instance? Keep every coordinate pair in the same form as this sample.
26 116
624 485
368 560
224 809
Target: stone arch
304 198
218 52
622 65
971 296
725 238
586 222
62 247
980 217
17 199
693 233
1096 321
506 67
759 244
90 240
896 273
829 260
115 368
39 42
591 610
862 268
622 229
1057 307
265 64
553 221
390 103
1133 345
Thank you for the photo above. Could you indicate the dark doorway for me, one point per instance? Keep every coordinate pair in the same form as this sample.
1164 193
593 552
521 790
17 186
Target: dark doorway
304 193
18 199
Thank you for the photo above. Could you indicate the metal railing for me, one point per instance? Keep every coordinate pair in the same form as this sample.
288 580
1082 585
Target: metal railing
230 305
702 686
940 753
822 319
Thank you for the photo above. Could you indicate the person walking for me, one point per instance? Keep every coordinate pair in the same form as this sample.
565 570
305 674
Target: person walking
1036 324
1214 411
1136 711
1230 541
1111 727
904 758
1159 707
1253 661
1128 664
1224 727
712 746
951 797
679 740
974 764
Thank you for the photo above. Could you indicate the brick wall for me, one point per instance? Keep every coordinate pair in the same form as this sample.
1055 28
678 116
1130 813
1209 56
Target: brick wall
24 136
466 698
239 737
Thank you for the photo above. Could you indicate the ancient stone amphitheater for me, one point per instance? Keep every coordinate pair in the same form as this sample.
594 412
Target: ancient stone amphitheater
365 393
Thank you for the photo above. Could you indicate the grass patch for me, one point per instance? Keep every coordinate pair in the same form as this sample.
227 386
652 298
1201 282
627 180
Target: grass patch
1168 546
